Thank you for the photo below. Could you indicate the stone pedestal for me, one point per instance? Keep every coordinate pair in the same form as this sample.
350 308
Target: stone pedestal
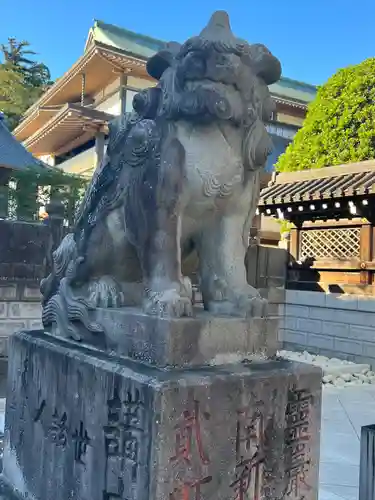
84 425
201 340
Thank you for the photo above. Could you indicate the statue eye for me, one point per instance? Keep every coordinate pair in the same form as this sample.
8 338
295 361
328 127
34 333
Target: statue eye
195 64
221 59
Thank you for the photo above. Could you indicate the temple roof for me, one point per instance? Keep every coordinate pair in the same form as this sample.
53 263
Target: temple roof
311 193
123 39
12 154
145 46
71 122
286 88
111 51
101 65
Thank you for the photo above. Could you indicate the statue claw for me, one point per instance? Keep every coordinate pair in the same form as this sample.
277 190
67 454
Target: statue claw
105 292
244 303
256 307
168 304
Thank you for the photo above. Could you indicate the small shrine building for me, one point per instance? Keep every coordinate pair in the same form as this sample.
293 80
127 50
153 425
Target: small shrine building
332 210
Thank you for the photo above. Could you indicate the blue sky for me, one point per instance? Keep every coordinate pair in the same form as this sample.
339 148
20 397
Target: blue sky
311 38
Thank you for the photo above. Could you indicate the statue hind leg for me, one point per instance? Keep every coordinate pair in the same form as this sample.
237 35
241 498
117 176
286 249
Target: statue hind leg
98 281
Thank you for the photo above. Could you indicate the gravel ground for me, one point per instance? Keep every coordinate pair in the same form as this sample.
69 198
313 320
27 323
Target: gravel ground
336 372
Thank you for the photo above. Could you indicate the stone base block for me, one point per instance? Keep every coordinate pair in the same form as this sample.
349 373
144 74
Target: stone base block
83 425
203 339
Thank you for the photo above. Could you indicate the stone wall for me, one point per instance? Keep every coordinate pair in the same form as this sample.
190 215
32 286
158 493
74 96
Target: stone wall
333 325
23 250
20 308
24 247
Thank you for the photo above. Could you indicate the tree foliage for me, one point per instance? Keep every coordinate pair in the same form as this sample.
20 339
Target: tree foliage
13 94
22 80
340 123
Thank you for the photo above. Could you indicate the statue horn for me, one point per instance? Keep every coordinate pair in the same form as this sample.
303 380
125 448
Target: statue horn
218 27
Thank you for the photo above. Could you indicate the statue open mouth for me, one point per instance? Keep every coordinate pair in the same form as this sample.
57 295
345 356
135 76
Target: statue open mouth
209 84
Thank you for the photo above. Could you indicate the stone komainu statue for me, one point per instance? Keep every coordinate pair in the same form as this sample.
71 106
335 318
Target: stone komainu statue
181 174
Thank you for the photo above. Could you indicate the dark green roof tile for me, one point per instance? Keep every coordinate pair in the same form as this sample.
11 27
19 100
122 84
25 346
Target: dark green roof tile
12 154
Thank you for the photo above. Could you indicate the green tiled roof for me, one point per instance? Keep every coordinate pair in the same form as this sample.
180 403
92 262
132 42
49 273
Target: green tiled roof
144 46
128 41
292 89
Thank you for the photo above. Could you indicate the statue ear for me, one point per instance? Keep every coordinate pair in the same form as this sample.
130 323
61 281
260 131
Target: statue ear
162 60
265 65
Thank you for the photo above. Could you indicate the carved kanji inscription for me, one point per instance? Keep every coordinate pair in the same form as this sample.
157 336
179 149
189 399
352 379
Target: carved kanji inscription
297 438
122 440
250 455
188 448
60 432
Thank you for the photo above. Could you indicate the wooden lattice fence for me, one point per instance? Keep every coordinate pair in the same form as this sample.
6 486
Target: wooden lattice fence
336 255
330 243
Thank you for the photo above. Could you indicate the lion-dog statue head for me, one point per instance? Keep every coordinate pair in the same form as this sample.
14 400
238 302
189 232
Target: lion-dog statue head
215 76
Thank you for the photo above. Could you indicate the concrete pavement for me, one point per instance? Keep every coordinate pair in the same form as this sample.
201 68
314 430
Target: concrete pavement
345 411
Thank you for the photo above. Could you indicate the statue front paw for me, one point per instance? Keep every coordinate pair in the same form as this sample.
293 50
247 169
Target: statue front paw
105 292
252 306
245 302
168 303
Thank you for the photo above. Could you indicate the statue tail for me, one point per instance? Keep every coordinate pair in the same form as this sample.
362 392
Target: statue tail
61 307
62 256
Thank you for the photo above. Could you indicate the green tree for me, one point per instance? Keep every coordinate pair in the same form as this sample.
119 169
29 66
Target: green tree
16 54
22 80
13 94
340 123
